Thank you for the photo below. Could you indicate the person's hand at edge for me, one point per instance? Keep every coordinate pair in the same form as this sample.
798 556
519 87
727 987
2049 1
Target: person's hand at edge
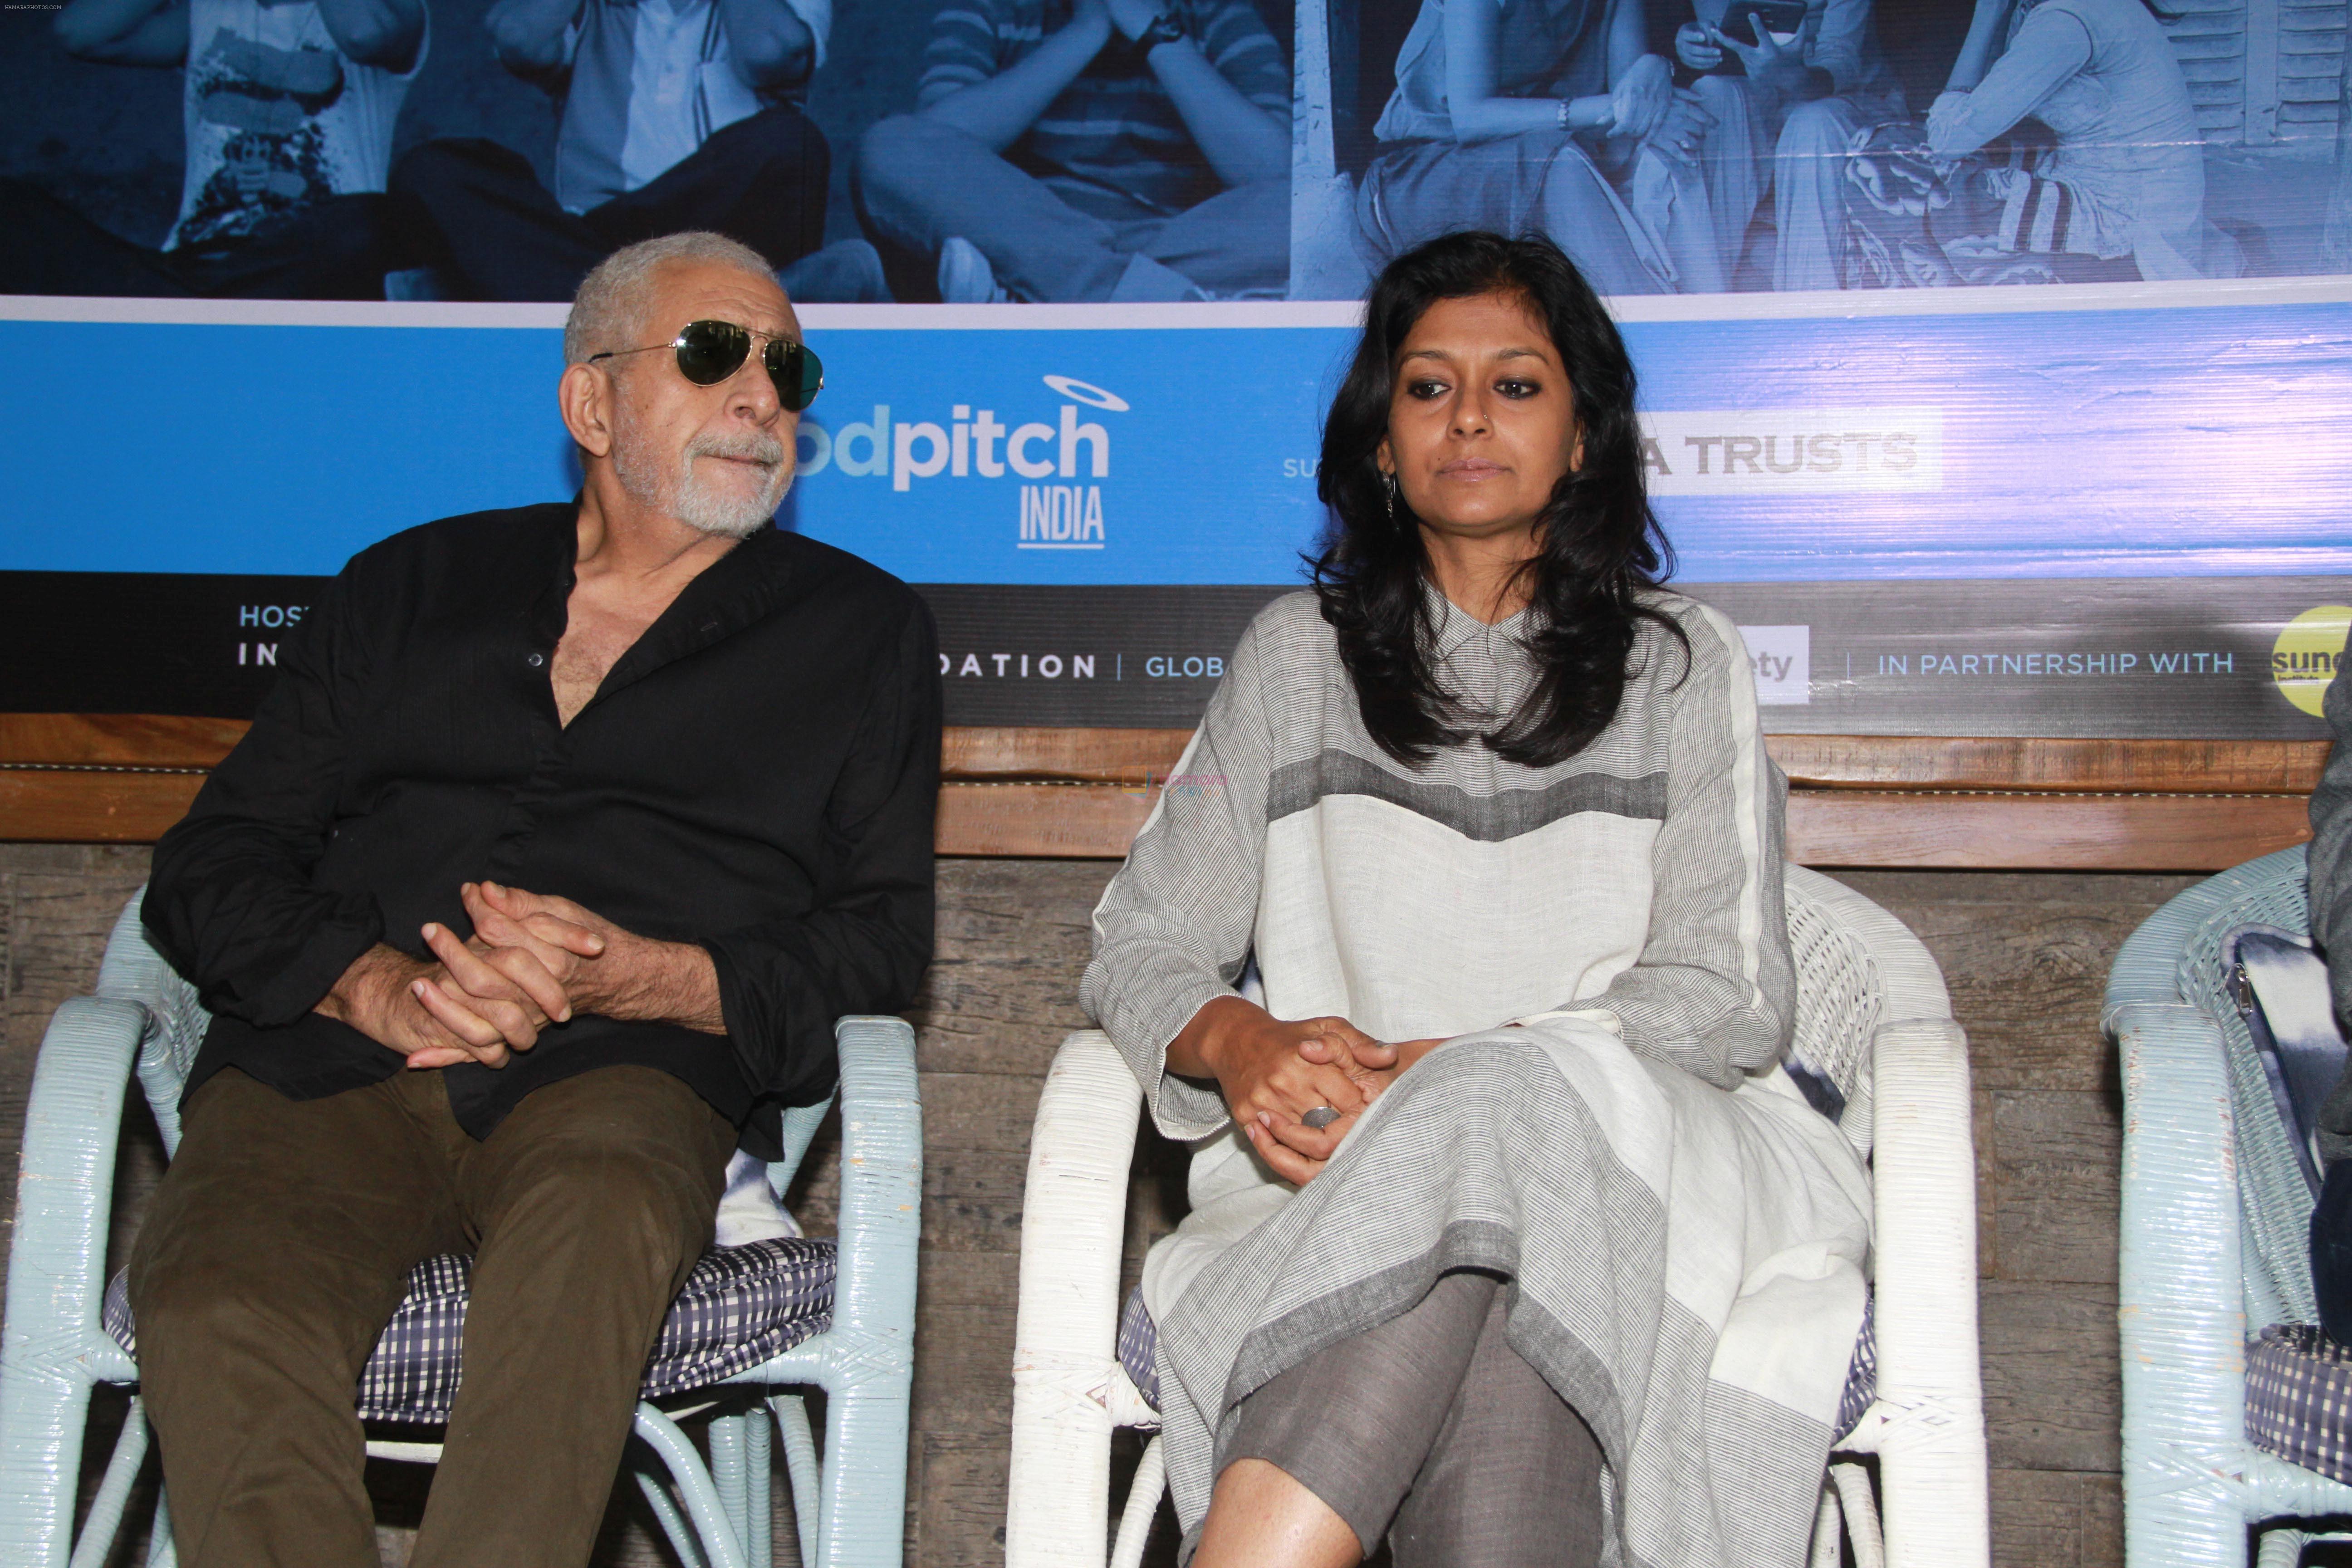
1694 46
563 949
1774 66
1275 1139
510 989
1254 1058
1640 98
628 976
1370 1063
1680 130
378 995
1373 1068
495 992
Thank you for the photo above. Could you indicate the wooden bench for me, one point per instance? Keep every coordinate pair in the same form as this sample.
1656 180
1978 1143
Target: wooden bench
1980 804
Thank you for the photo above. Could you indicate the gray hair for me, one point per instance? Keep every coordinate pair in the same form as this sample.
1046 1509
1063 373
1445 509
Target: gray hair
609 309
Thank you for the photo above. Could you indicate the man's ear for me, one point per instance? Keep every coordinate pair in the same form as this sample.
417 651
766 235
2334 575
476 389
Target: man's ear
585 396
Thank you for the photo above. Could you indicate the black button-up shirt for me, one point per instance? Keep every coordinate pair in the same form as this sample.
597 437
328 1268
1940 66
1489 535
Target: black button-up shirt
758 775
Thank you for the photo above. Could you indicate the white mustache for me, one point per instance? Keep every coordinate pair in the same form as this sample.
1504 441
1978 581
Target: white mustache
756 447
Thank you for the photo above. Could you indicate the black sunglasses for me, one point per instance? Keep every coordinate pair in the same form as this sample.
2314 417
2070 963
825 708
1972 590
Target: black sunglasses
710 351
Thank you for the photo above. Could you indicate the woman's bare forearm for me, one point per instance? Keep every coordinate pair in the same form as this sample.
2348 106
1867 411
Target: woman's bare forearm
1198 1046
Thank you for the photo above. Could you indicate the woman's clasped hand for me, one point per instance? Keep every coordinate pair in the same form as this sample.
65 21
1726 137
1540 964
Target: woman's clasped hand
1272 1071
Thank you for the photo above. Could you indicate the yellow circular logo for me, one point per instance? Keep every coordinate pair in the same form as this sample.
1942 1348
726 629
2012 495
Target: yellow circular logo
2309 648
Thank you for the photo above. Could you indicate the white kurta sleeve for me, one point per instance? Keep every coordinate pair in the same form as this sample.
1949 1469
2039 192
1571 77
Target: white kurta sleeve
1714 992
1174 928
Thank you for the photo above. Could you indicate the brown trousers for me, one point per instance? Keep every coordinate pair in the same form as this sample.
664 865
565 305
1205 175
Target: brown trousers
279 1243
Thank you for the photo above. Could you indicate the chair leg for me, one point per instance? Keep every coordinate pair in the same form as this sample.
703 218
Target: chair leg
161 1551
727 1469
673 1523
42 1413
720 1545
863 1512
104 1522
1860 1514
1829 1532
801 1468
2281 1548
760 1536
1142 1504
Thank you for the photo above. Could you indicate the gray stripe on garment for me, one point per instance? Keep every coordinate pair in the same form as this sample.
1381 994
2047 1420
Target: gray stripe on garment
1486 818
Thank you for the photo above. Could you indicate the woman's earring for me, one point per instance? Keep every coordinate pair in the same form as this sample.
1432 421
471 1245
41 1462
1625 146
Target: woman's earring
1390 479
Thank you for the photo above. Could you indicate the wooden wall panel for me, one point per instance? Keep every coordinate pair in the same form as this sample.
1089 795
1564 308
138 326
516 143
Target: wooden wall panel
2039 832
1907 761
77 805
1058 821
1141 756
127 739
1958 802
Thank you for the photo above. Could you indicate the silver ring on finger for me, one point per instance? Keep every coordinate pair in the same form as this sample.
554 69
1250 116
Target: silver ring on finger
1319 1118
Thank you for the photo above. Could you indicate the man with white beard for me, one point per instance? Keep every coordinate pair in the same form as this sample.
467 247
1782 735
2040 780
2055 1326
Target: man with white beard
565 837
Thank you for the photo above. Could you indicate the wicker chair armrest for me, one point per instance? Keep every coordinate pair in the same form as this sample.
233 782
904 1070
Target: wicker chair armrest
51 1347
64 1190
1065 1374
1928 1425
880 1226
2180 1309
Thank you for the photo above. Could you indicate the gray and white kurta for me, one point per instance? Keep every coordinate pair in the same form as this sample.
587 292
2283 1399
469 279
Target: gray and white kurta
1685 1237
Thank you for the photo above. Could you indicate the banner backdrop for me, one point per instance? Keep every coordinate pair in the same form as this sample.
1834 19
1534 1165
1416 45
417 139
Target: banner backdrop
2109 497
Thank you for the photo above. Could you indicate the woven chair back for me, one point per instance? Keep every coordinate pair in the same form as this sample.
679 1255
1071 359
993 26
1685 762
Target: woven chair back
2273 1198
1840 1001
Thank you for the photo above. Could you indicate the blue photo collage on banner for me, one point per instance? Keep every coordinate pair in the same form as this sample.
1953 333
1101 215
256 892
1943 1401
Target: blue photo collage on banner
1993 351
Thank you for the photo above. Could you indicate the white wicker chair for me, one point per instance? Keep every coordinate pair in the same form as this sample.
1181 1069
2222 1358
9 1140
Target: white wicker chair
1872 1014
2215 1236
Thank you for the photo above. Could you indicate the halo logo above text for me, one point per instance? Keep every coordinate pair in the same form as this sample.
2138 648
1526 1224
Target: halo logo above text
1088 392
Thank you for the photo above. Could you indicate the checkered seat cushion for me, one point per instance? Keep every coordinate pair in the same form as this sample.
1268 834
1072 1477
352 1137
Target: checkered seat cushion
741 1306
1139 1351
2299 1398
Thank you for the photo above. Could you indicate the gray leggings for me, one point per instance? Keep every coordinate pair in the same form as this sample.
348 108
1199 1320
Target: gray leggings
1429 1430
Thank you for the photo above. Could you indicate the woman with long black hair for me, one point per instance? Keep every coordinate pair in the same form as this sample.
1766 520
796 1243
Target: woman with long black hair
1507 1231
